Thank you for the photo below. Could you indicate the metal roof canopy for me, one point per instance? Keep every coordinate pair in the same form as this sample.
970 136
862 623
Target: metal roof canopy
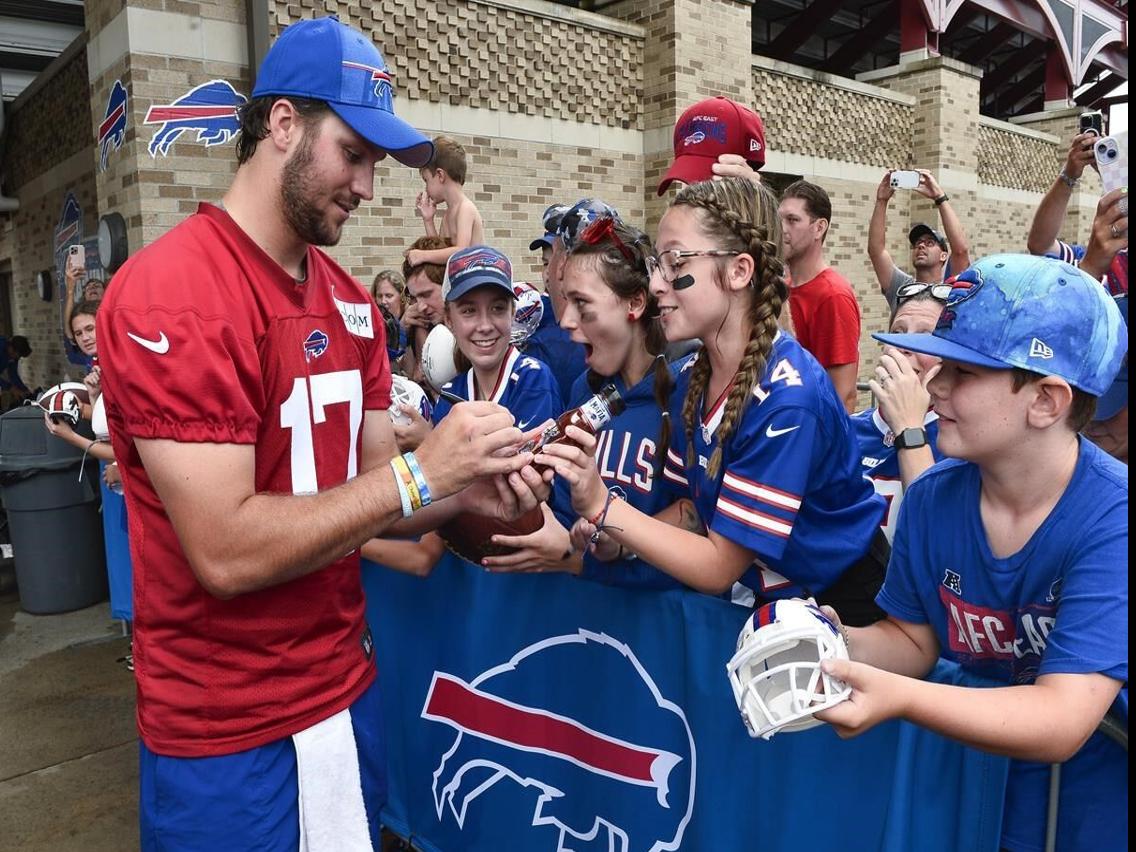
32 34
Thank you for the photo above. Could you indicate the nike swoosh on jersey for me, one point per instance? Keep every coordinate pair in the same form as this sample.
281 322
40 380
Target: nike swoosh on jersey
160 346
524 424
770 432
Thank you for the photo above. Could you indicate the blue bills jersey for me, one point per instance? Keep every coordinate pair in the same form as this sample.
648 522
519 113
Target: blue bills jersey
524 385
880 459
628 457
789 487
1058 605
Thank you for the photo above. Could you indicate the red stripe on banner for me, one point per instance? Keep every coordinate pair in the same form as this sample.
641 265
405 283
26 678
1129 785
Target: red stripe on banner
158 114
484 715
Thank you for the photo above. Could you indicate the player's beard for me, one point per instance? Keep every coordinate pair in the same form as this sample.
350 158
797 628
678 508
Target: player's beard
298 196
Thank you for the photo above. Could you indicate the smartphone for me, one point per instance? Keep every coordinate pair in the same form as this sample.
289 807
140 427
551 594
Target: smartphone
77 256
1092 122
1112 163
904 179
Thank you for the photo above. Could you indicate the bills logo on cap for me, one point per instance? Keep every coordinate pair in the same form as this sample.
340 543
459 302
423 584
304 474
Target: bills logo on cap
379 76
964 286
476 260
210 109
315 345
112 129
697 129
694 138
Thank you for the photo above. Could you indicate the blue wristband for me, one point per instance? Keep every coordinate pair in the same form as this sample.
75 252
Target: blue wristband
419 479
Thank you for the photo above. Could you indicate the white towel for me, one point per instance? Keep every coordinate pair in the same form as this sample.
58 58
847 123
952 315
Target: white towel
332 816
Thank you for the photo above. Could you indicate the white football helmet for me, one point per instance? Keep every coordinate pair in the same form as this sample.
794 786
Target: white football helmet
62 406
405 392
776 674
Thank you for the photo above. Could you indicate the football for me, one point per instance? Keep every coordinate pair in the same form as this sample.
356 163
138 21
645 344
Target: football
469 535
438 356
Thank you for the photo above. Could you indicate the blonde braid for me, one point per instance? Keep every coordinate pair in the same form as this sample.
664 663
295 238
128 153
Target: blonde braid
740 216
699 379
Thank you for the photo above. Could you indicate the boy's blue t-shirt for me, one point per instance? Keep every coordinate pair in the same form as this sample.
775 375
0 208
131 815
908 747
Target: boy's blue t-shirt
879 459
628 457
790 486
525 386
1059 605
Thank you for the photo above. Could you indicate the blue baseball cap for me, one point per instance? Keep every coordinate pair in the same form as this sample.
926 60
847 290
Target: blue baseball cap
476 266
551 221
1116 397
325 60
1036 313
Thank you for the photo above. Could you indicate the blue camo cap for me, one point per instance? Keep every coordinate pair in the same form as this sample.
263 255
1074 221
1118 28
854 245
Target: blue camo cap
325 60
1036 313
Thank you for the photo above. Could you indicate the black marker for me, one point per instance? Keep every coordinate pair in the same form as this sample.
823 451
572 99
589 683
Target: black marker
682 282
452 398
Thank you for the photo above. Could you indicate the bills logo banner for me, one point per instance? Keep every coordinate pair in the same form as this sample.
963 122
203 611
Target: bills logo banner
210 110
112 129
606 723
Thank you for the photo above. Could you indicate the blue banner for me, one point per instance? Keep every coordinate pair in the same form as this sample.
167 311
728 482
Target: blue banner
545 712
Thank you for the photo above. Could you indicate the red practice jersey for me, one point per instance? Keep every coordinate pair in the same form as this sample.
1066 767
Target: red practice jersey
204 338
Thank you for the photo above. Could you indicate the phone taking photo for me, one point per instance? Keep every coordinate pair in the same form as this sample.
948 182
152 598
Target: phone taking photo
77 256
1112 163
1092 122
904 179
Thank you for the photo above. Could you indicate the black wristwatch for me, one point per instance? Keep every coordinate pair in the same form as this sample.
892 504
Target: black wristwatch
942 199
910 439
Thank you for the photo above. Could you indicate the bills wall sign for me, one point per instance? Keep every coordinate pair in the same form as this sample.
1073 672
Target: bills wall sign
208 110
617 774
112 129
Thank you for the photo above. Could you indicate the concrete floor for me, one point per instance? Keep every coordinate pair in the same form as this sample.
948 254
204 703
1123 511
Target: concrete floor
68 742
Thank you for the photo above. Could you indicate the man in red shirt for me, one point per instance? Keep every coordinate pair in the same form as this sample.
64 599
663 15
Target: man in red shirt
246 380
826 315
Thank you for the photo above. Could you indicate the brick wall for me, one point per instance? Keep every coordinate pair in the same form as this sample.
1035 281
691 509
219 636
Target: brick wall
809 115
500 56
1006 158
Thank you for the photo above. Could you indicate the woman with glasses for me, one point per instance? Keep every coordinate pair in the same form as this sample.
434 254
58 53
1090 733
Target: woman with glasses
897 436
761 443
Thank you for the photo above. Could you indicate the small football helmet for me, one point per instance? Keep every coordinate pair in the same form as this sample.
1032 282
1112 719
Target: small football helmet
406 392
529 312
62 407
776 675
437 358
579 216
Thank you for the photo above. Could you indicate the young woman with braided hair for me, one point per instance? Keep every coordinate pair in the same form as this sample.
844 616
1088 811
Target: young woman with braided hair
761 442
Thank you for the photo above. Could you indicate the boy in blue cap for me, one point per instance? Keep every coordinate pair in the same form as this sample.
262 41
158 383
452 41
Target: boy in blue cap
1011 557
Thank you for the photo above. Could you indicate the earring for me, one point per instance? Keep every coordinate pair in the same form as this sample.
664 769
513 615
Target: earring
631 316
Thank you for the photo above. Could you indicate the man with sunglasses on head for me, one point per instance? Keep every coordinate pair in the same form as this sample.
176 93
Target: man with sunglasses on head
930 249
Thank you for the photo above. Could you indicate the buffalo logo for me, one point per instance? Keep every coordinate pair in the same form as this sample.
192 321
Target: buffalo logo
112 129
476 261
70 223
315 345
616 775
379 76
702 126
964 286
210 109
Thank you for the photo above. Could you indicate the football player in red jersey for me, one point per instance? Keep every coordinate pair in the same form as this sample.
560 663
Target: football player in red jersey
246 386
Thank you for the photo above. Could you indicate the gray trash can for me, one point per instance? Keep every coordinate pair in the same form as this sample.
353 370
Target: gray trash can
53 516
